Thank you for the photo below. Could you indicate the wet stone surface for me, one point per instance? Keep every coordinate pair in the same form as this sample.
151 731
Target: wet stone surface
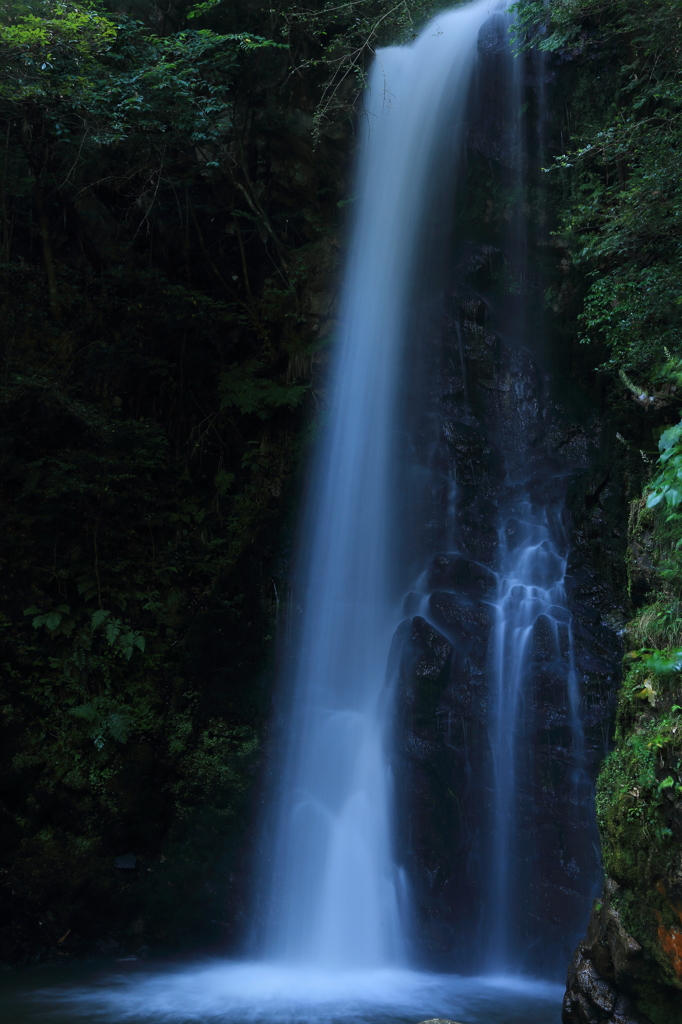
604 967
491 443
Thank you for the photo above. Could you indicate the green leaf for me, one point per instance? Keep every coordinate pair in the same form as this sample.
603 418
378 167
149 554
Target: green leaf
203 8
51 620
119 725
662 661
98 618
112 630
129 641
223 481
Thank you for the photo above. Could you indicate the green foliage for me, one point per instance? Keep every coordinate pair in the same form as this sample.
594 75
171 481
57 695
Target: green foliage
150 424
203 8
623 220
80 79
638 796
245 387
344 38
667 485
105 718
120 534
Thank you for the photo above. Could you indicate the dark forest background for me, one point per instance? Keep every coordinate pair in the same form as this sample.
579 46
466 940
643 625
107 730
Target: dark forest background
172 182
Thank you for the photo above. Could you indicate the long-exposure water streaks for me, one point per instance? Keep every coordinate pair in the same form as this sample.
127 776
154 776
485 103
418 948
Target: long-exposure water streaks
531 600
334 889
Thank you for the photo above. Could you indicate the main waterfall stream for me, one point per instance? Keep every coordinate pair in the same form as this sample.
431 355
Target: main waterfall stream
337 897
409 495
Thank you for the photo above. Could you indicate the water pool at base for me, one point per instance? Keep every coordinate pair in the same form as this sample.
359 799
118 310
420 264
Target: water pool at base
250 993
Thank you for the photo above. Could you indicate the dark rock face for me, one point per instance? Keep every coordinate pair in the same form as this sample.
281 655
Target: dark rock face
450 572
493 430
495 131
494 438
602 971
498 439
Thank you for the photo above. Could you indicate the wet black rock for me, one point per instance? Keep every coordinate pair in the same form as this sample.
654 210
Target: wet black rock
426 650
463 621
494 132
474 256
497 437
603 969
453 572
489 434
437 1020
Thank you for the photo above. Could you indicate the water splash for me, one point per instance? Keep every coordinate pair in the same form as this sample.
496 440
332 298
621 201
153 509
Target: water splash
255 993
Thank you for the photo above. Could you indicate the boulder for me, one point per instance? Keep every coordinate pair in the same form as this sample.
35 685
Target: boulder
603 969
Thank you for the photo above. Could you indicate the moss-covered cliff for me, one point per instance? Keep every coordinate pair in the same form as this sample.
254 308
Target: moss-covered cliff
615 184
631 960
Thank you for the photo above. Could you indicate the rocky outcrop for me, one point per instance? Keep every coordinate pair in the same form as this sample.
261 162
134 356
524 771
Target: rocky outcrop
602 972
629 966
493 429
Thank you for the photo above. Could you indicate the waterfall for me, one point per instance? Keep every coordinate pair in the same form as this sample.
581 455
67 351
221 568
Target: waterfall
335 890
436 450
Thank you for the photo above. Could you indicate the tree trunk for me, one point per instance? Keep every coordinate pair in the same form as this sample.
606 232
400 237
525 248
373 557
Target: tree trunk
44 231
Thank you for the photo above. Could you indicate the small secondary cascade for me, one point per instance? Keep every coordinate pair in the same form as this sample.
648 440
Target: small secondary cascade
335 897
530 599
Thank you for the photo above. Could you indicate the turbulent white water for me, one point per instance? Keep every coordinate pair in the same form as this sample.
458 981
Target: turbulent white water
336 894
219 993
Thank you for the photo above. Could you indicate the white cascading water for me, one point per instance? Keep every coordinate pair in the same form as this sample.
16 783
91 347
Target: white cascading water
335 892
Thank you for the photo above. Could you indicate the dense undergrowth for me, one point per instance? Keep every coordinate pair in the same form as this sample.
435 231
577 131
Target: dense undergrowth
170 192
